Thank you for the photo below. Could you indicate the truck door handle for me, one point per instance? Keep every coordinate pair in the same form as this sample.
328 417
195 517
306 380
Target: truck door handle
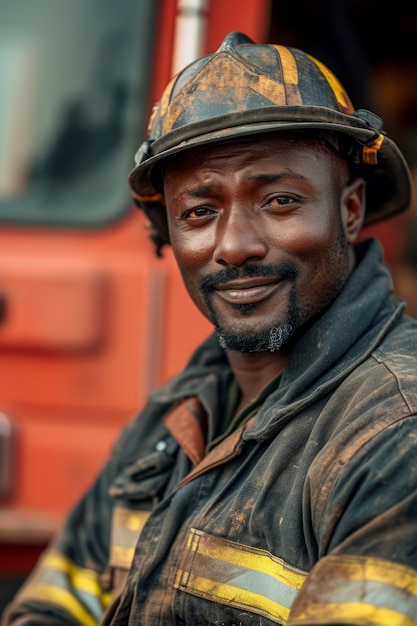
2 307
5 455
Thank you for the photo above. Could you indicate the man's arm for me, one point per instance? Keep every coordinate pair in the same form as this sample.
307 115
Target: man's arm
68 585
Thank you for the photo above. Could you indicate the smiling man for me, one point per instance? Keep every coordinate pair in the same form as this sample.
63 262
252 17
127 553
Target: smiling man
262 234
274 480
255 228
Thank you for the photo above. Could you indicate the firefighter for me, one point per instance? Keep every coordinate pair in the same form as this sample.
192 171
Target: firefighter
274 480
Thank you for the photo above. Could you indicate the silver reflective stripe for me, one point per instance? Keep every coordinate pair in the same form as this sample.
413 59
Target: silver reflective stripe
59 581
358 589
238 575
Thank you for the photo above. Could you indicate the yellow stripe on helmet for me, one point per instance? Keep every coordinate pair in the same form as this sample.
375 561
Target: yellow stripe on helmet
337 88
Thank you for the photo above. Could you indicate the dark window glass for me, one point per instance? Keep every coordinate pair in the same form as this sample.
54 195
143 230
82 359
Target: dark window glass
74 90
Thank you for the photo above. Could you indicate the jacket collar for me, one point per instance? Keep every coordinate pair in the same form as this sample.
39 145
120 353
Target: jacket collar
332 347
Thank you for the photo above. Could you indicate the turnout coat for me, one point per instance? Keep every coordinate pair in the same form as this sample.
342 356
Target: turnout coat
303 512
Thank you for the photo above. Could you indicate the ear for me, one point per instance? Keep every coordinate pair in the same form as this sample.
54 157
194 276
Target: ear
353 205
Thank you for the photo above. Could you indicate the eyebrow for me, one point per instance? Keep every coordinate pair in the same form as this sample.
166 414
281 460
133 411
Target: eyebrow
200 191
194 192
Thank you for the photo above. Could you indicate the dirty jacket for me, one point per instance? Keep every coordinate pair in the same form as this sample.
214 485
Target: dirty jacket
304 515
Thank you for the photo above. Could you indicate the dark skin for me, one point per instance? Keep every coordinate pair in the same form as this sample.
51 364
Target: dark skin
263 233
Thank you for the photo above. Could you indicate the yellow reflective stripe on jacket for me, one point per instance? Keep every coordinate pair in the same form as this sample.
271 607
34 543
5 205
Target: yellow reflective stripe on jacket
353 613
354 589
238 575
63 599
126 528
76 590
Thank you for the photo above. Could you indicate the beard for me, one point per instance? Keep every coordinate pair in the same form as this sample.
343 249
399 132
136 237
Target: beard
269 339
285 330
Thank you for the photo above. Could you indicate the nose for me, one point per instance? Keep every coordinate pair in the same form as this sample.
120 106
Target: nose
239 240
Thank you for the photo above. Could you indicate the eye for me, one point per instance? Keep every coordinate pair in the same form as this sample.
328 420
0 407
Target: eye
281 202
199 213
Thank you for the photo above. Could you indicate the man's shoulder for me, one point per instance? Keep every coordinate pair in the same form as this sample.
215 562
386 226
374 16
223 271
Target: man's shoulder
388 376
398 348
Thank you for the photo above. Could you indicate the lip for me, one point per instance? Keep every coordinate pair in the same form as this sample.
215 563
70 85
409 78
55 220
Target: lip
247 291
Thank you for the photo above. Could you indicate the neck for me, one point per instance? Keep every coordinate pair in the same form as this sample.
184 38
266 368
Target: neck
253 371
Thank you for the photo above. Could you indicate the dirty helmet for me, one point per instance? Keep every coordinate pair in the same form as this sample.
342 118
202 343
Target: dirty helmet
246 89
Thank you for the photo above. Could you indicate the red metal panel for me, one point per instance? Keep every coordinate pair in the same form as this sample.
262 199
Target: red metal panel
248 16
93 323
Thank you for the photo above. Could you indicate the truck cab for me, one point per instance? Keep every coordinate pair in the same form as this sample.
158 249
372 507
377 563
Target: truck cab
91 320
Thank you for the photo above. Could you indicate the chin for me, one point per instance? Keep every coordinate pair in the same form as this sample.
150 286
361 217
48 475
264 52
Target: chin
270 340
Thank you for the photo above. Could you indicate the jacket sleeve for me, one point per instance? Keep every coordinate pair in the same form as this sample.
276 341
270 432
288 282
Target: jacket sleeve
68 585
86 565
367 533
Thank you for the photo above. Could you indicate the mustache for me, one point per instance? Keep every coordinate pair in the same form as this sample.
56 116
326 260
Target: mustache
285 270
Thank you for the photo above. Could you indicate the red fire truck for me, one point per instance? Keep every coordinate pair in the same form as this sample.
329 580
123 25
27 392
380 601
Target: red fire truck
91 320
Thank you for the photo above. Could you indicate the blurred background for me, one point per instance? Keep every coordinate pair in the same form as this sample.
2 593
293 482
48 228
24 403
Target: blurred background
90 320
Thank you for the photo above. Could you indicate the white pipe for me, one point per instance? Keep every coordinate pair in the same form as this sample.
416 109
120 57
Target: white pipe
190 30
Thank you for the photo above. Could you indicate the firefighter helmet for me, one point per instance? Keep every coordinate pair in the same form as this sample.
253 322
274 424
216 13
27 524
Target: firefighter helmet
246 88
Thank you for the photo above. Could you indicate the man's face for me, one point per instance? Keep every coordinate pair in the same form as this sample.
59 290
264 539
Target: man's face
262 231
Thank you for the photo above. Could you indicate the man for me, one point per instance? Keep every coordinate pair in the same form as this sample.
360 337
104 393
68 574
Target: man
274 480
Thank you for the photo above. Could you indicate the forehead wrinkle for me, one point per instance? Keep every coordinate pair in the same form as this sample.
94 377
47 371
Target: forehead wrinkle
273 177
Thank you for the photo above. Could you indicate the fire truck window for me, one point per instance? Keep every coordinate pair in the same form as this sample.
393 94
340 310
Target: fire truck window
74 80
